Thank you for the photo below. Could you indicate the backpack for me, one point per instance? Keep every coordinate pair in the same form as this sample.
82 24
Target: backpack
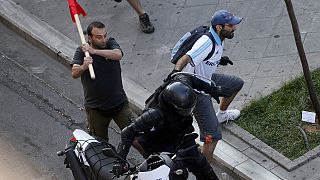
153 99
186 42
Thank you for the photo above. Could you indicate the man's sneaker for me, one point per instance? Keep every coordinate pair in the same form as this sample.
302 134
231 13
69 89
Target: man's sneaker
228 115
145 24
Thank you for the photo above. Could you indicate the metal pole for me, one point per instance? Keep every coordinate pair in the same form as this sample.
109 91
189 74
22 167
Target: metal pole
303 58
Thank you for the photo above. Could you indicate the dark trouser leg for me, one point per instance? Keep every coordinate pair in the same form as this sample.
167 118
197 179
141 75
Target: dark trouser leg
124 117
200 167
97 123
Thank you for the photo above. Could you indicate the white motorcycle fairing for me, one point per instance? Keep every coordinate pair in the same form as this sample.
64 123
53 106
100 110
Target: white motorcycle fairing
160 173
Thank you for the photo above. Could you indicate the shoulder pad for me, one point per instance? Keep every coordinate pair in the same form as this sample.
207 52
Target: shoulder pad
148 117
152 113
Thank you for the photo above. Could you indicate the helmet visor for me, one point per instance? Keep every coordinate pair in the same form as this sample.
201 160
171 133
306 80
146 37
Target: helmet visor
184 111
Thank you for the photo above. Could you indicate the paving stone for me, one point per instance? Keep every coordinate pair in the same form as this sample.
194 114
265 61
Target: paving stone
276 66
252 66
284 27
310 43
196 15
250 49
261 28
306 172
264 86
200 3
164 4
166 18
259 145
271 153
281 172
315 24
227 154
260 158
156 41
149 59
281 46
302 7
233 140
313 60
259 172
238 8
261 9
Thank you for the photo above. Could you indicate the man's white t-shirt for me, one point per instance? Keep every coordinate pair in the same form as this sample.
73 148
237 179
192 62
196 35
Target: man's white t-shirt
200 51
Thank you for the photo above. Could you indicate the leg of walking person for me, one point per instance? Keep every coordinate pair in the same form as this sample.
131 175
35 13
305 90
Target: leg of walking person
210 132
234 85
145 23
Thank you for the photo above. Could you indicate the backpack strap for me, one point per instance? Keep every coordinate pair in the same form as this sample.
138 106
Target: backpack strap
213 45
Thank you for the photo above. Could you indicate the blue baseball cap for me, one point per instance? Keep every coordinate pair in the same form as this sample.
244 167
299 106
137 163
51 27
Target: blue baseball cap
224 17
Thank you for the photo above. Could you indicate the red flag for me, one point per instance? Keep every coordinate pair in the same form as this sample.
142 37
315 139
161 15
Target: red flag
75 8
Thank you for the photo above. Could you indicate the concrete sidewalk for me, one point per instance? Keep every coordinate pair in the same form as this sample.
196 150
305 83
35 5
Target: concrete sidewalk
264 56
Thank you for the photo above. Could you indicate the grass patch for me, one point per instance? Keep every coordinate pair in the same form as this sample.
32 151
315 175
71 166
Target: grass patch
273 119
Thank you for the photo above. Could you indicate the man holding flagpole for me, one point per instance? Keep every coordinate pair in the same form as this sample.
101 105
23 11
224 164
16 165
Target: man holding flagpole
105 98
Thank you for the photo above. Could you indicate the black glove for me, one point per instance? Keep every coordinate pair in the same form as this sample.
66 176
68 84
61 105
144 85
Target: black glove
215 92
225 61
119 168
169 76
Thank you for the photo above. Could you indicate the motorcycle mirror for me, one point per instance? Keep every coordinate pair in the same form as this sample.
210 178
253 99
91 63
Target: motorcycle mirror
109 152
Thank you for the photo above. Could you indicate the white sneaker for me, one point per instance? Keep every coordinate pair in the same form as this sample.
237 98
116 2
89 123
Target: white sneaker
228 115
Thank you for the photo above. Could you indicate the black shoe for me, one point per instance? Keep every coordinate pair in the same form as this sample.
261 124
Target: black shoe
145 24
117 1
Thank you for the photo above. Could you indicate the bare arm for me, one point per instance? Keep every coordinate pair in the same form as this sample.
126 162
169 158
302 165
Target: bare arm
77 70
114 54
182 62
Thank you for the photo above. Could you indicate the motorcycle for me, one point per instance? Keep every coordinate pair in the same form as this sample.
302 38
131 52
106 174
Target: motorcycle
91 158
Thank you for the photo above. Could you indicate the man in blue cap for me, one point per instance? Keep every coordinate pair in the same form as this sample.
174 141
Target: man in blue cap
223 25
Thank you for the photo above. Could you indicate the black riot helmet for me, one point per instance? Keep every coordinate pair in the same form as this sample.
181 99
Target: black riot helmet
181 97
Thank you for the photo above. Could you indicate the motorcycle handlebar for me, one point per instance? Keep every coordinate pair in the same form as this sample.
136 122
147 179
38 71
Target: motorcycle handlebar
192 74
180 153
